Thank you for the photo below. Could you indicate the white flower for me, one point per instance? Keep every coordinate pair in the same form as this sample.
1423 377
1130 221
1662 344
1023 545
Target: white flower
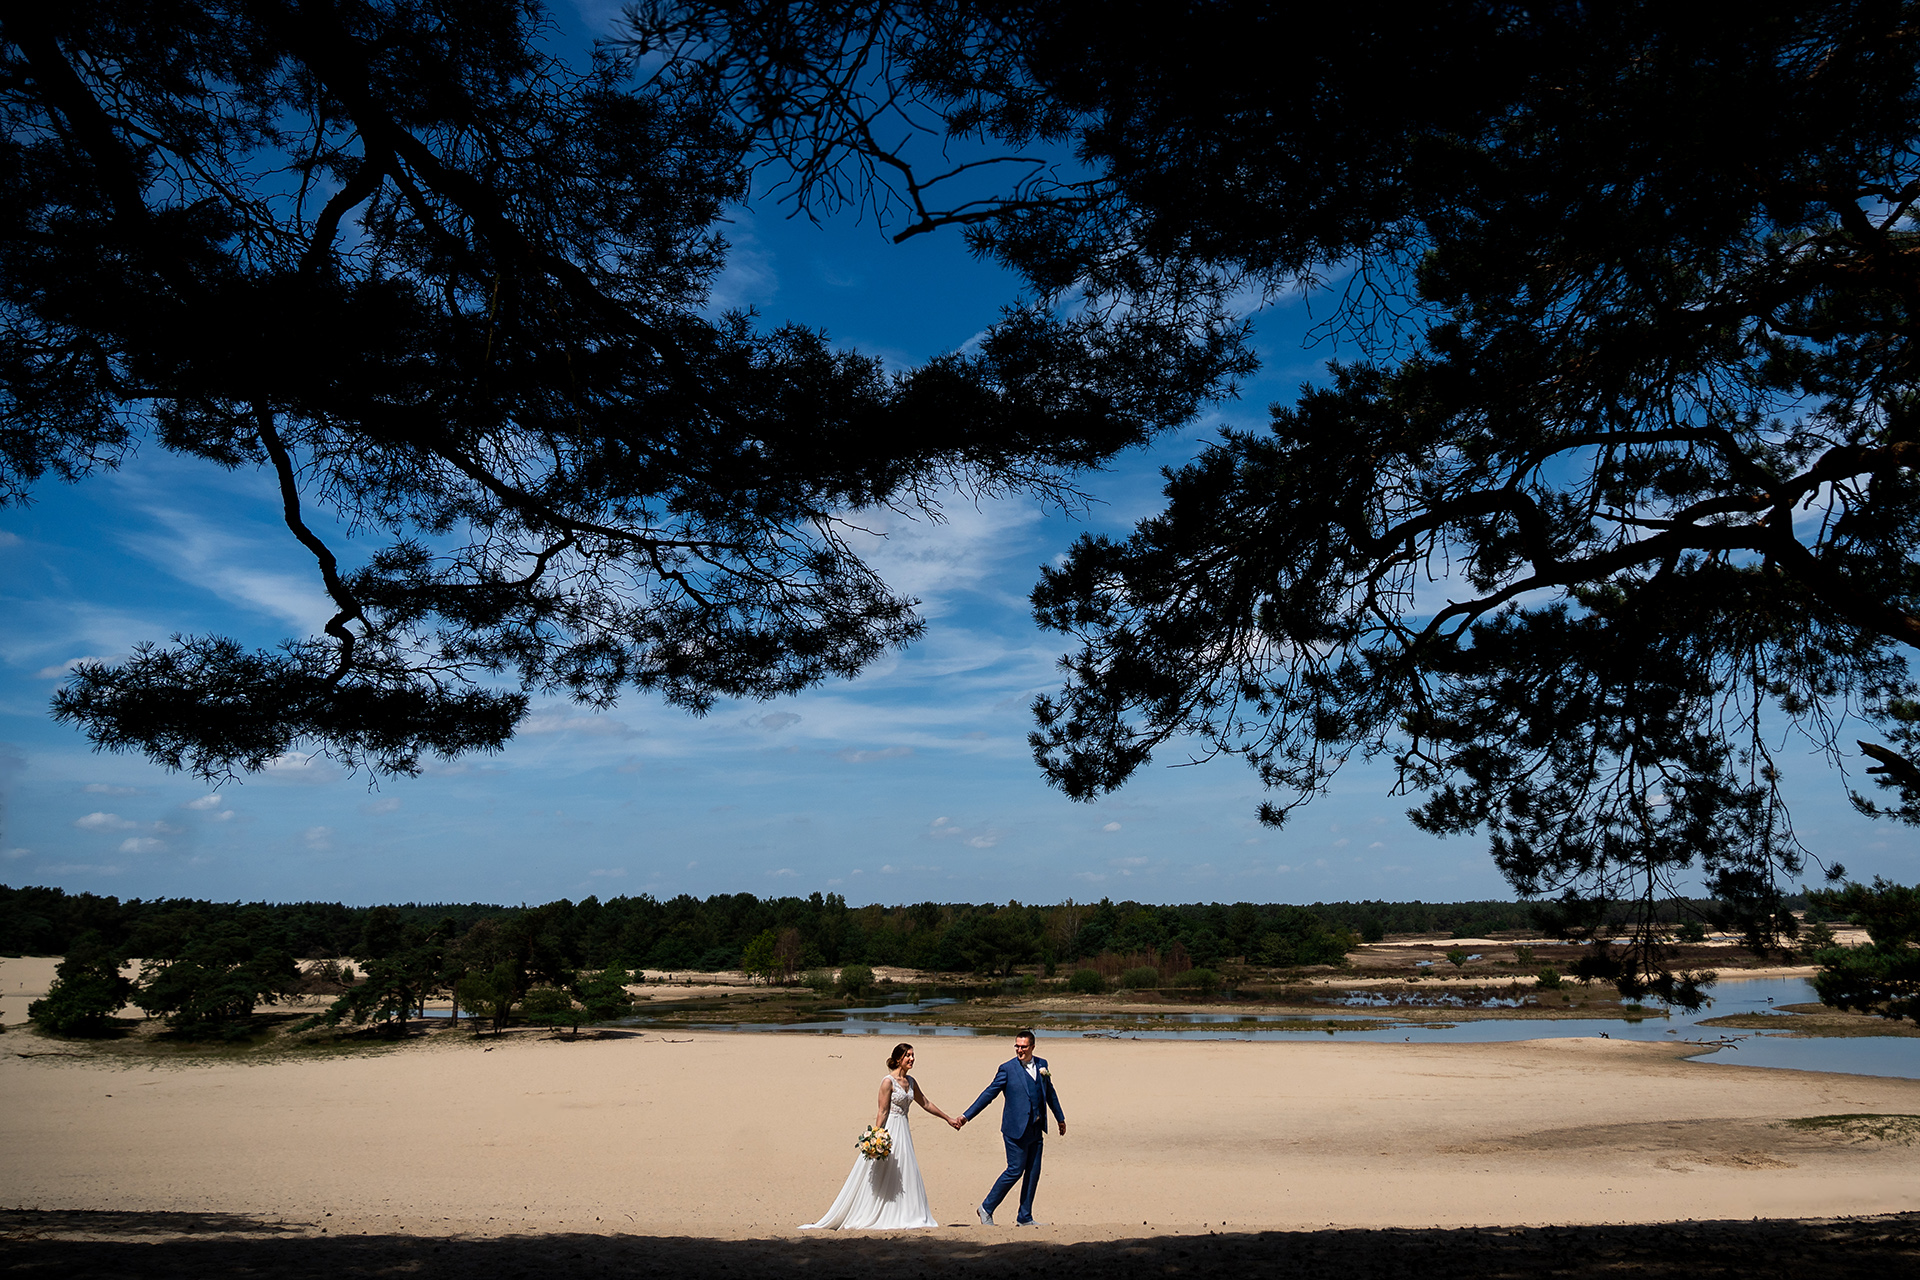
1047 1072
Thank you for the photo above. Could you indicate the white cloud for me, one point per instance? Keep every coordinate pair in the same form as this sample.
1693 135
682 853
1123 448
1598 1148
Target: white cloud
863 757
80 869
774 721
1126 862
9 539
1111 826
212 556
105 789
610 872
559 720
749 278
986 841
311 770
204 802
784 871
388 804
972 548
11 854
63 668
319 838
104 822
141 844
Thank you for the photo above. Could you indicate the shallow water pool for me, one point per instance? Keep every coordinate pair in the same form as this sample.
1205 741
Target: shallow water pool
1864 1055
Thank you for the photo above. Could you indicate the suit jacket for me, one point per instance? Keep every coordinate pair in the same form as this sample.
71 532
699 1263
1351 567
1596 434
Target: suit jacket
1027 1100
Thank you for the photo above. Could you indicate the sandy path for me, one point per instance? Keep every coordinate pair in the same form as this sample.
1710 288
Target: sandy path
741 1135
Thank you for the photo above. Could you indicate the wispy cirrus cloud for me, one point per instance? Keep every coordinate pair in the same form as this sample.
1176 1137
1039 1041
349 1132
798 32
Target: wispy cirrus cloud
242 570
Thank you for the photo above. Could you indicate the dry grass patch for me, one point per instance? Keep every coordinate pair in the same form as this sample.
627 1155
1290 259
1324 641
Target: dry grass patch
1865 1128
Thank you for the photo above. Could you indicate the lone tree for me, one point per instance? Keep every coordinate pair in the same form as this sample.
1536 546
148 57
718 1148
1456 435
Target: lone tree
88 989
439 279
1621 479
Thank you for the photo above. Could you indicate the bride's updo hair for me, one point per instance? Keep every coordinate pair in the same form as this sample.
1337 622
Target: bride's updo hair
899 1053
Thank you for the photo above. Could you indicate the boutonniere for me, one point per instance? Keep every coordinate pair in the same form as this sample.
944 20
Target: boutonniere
1047 1072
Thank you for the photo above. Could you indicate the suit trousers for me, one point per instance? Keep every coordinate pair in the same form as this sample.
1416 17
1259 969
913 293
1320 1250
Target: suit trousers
1023 1167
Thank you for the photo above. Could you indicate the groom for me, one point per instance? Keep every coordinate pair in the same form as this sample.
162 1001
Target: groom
1028 1087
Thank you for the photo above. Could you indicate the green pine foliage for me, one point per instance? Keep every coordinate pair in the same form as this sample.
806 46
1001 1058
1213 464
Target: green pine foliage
1882 975
605 995
222 974
88 989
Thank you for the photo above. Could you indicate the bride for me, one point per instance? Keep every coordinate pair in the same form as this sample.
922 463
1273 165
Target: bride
887 1193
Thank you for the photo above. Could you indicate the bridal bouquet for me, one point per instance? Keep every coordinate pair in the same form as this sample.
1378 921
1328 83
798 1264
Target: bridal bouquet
875 1144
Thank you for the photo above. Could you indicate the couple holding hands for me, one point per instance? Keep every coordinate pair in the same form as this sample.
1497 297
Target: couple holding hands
887 1193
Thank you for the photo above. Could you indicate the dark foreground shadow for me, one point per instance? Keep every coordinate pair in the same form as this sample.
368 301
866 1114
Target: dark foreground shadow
213 1246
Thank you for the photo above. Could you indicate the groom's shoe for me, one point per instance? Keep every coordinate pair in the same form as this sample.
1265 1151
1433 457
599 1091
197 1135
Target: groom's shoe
986 1217
1030 1222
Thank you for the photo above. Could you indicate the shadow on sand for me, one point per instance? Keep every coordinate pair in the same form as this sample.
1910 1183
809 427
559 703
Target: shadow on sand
37 1244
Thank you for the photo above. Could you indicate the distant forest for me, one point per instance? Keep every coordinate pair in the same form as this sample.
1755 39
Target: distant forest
685 933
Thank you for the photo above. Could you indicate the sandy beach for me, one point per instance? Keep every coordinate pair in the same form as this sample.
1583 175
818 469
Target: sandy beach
728 1136
454 1155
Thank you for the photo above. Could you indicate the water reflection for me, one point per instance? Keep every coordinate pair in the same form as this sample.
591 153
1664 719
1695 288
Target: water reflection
1869 1055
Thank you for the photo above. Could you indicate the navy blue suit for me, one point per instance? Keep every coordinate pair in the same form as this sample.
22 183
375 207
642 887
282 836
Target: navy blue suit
1023 1123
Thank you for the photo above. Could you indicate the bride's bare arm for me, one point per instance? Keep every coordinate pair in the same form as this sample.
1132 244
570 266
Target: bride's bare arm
886 1098
921 1098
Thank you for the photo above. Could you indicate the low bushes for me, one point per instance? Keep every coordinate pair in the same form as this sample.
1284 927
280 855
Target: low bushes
1086 982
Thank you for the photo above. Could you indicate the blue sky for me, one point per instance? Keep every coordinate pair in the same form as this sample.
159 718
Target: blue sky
912 782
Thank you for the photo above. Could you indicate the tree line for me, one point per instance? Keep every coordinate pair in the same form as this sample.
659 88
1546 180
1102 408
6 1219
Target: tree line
685 933
210 965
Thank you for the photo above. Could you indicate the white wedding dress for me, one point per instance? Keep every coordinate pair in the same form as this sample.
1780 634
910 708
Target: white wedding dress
884 1194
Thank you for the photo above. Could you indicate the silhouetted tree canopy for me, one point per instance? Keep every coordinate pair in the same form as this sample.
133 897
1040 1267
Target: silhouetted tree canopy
1620 481
447 282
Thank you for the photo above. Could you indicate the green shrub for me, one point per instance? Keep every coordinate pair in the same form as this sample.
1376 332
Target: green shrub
1145 978
1691 931
821 980
1523 955
1206 981
551 1006
1550 978
1456 957
1086 982
855 979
